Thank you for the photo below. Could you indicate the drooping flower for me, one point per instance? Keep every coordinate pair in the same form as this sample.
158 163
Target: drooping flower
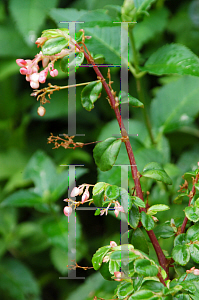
68 211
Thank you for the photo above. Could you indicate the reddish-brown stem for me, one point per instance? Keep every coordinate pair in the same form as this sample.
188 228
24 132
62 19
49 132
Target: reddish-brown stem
193 193
161 257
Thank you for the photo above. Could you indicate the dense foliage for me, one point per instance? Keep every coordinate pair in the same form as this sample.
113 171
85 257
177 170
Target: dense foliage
161 259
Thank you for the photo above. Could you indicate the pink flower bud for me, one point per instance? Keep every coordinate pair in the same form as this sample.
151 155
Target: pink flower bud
40 41
45 61
196 272
85 196
53 72
34 84
34 77
119 276
42 76
67 211
23 71
116 212
74 192
21 62
113 244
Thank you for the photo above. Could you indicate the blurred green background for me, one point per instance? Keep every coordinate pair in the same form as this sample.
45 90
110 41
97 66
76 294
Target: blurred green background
33 233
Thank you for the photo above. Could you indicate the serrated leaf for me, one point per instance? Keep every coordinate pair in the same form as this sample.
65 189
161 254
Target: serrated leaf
125 98
134 216
192 233
181 254
164 231
176 104
147 221
194 251
73 61
173 58
98 256
155 171
145 268
90 94
105 153
156 208
125 289
54 45
192 213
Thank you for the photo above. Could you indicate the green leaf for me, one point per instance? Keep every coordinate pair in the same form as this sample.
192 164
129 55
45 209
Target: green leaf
155 286
175 104
99 58
173 58
112 192
98 193
138 202
114 266
98 256
74 59
156 208
22 198
180 239
90 94
104 271
25 20
182 297
145 268
181 254
188 175
134 216
179 198
54 45
164 231
143 5
125 98
141 295
23 282
138 240
155 171
192 213
125 256
125 200
192 233
125 289
147 221
194 251
105 153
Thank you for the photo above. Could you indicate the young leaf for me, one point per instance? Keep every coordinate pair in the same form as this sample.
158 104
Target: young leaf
192 213
74 59
54 46
147 221
181 254
90 94
173 58
156 208
145 268
125 98
155 171
105 153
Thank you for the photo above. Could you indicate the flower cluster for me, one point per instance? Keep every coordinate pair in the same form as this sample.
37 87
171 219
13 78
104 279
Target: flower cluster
77 191
30 68
118 208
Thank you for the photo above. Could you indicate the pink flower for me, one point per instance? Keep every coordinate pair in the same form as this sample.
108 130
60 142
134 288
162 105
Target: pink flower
113 244
42 76
74 192
196 272
68 210
119 276
21 62
40 41
85 195
53 72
